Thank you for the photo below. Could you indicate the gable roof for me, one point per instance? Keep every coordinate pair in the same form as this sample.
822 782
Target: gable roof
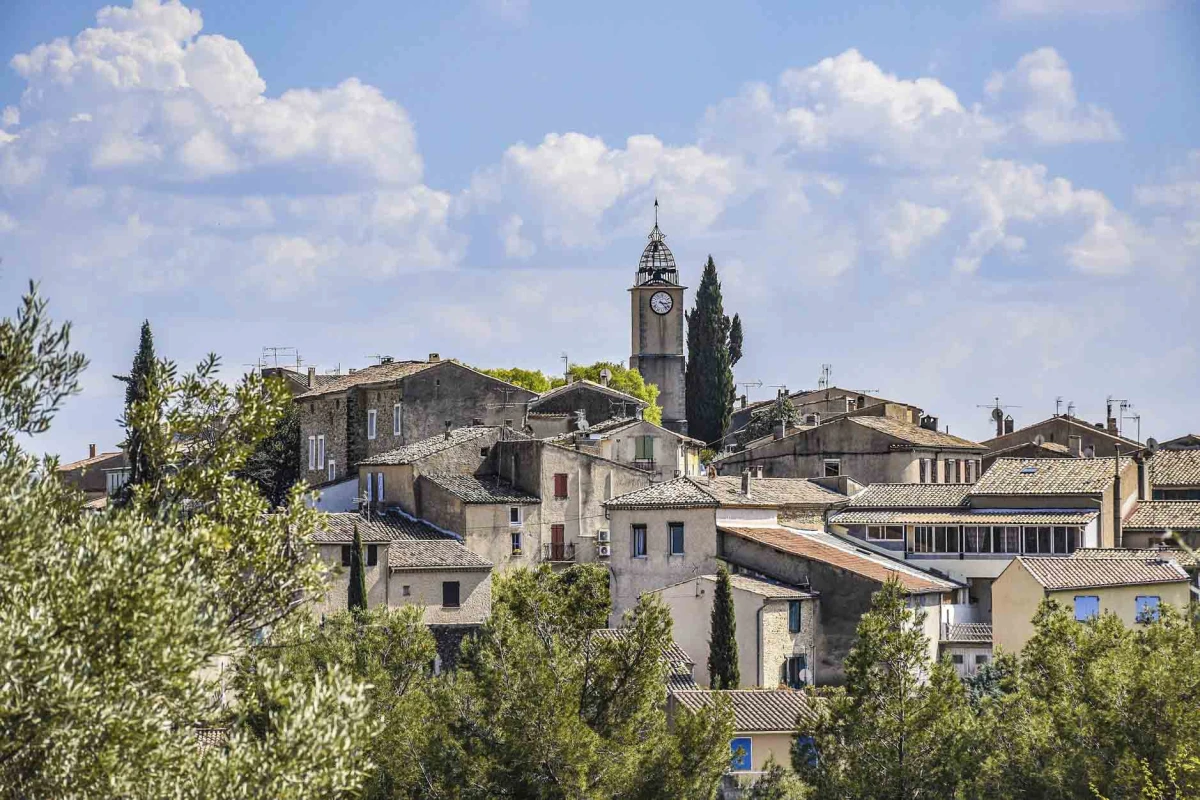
1183 558
482 489
424 448
1175 468
911 495
769 492
1045 449
914 435
679 663
89 462
835 552
610 427
1071 423
756 710
1056 573
1020 476
1165 515
413 544
764 587
675 493
390 371
585 384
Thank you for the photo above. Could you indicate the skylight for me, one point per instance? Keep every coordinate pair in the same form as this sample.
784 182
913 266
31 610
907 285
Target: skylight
1029 470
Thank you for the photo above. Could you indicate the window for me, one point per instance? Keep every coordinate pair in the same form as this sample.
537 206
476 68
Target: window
885 533
958 471
794 616
971 474
345 555
676 535
741 754
833 467
371 415
320 452
948 471
406 590
1086 607
332 472
449 594
312 452
1146 608
981 658
396 420
514 515
935 539
977 539
794 669
370 486
516 542
925 464
379 486
1038 539
956 658
639 541
483 452
643 448
560 485
372 555
1006 539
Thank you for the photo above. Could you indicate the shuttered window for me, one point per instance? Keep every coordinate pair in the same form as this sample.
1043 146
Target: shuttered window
560 485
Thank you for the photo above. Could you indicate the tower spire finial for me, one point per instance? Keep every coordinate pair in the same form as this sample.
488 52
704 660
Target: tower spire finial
656 212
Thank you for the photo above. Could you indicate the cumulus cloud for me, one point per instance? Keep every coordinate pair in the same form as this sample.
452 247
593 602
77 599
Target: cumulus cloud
146 107
1040 91
910 224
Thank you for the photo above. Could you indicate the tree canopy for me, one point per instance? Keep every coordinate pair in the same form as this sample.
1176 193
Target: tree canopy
709 376
622 378
723 652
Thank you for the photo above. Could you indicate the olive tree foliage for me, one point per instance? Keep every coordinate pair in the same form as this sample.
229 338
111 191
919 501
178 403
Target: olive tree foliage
114 626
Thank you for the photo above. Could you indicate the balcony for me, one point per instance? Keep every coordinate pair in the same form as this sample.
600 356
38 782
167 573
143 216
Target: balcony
644 464
562 552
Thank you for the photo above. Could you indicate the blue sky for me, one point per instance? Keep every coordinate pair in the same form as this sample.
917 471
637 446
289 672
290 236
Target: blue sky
947 204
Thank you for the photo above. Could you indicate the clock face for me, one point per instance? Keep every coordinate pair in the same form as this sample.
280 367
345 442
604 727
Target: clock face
661 302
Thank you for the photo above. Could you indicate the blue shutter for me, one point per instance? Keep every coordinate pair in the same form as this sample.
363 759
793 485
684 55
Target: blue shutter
1087 607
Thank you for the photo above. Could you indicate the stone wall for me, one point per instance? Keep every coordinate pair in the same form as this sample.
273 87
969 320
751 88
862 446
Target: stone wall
323 416
631 577
425 589
779 643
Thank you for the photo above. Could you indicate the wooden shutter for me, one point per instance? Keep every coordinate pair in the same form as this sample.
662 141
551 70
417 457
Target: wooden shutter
560 485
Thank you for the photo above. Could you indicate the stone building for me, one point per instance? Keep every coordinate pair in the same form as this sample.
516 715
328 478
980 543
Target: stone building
823 405
381 408
775 623
1175 474
877 445
668 532
579 406
1093 440
662 453
656 328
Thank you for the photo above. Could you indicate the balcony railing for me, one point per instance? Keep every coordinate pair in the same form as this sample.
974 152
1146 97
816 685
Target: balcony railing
558 551
644 464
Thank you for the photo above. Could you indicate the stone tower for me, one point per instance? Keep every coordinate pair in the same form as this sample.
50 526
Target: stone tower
656 323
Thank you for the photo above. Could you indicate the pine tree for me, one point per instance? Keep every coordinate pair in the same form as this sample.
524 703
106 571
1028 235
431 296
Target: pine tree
137 383
273 466
356 597
709 378
722 647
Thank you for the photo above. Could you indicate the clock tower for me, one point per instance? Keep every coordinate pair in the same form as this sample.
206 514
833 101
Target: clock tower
657 327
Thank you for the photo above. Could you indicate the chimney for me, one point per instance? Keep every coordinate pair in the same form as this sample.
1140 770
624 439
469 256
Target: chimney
743 399
448 424
810 419
1143 478
778 431
1117 532
605 376
1008 424
746 482
434 358
1112 426
1075 445
351 372
1089 451
312 377
758 471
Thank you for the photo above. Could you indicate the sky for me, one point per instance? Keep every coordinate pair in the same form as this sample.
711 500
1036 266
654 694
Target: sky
946 202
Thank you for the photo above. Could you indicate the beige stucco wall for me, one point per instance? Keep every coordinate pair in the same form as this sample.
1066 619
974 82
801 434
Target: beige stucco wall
765 745
1120 600
633 576
425 589
336 597
670 453
488 533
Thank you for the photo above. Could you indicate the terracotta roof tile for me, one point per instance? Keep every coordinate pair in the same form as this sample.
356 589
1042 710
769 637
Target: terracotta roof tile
374 374
1023 476
727 490
911 495
1069 572
756 710
677 493
830 550
484 489
1175 468
1164 515
915 435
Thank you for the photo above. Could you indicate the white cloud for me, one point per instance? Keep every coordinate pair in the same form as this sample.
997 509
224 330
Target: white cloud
10 117
515 245
909 225
1044 8
1040 91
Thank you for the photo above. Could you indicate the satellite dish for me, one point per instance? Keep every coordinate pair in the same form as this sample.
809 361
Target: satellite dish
997 414
1152 445
1039 440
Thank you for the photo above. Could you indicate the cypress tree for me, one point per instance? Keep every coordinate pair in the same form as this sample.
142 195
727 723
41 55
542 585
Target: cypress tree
735 340
709 378
137 383
356 597
722 646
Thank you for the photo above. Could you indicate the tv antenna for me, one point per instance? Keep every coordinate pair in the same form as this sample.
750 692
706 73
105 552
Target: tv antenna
997 414
826 376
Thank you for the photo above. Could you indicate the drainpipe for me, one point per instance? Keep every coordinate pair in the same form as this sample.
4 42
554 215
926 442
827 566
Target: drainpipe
758 634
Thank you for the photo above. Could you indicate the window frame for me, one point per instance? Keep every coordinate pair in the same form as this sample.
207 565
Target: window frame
638 534
321 451
516 542
312 453
380 494
330 469
837 467
672 529
457 594
1075 607
561 477
746 762
795 616
397 424
372 555
514 522
1146 617
884 530
372 423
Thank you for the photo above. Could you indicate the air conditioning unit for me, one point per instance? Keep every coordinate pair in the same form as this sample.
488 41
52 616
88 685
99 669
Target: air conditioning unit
604 550
602 536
